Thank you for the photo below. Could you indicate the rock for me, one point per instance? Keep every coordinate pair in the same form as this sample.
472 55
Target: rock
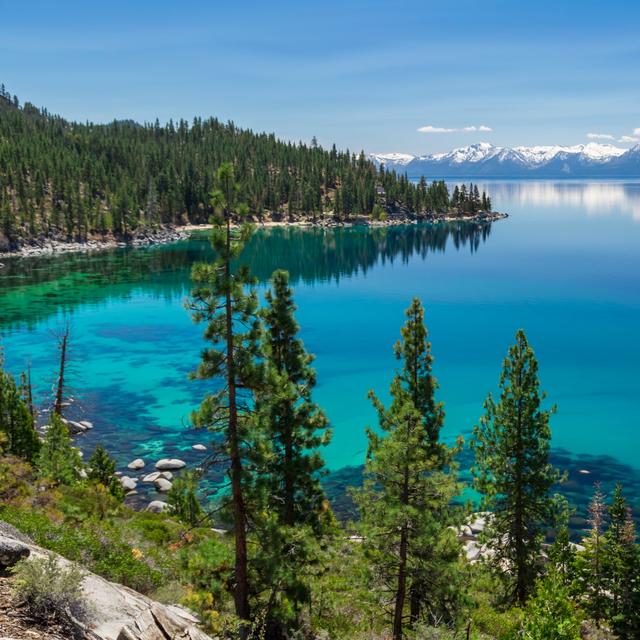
199 447
137 464
86 424
114 612
151 477
167 475
477 522
128 484
167 464
157 506
584 471
162 485
83 474
472 551
75 428
11 552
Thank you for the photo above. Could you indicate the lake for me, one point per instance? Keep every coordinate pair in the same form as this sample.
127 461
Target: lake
565 266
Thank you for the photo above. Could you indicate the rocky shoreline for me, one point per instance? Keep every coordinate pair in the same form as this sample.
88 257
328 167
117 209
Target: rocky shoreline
166 235
49 246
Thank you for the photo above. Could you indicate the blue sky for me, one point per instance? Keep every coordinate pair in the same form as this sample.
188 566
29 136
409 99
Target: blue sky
360 74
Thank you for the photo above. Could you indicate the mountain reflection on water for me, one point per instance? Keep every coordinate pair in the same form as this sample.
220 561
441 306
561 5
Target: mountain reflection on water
34 288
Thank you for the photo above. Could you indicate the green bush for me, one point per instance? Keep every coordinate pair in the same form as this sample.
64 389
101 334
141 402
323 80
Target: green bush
551 614
96 545
49 589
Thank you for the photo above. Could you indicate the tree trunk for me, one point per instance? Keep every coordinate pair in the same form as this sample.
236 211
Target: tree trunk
415 597
241 593
63 362
521 559
401 590
289 515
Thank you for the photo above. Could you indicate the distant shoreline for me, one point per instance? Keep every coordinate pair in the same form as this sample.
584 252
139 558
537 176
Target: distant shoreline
167 235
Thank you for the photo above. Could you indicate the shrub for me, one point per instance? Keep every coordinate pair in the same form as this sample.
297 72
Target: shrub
49 589
551 614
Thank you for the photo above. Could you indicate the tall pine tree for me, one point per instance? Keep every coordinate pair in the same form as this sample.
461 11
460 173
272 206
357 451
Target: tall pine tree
406 499
513 472
220 299
294 514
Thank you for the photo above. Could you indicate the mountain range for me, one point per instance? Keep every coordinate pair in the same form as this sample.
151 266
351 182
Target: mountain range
488 161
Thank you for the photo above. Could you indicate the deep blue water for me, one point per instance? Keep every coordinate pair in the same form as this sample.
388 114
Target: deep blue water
565 266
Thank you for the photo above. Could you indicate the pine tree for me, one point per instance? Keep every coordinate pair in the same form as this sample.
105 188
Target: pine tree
512 471
591 563
294 425
101 469
414 351
183 499
16 421
294 508
58 460
406 499
562 553
101 466
622 569
220 299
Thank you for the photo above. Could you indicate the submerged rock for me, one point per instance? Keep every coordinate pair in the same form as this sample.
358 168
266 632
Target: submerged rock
137 464
151 477
167 464
199 447
162 485
128 484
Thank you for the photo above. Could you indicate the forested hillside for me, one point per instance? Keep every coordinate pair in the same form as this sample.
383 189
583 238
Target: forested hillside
66 179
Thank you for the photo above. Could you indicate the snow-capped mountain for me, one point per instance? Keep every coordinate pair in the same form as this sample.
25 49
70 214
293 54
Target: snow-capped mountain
487 160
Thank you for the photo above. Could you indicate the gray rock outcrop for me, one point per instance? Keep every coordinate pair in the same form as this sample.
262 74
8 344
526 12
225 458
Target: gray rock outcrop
11 552
115 612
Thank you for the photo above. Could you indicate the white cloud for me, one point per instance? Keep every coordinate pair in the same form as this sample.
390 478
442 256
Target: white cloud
431 129
482 127
630 138
636 132
600 136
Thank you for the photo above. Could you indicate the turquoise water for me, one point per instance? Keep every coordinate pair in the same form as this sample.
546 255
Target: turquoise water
565 266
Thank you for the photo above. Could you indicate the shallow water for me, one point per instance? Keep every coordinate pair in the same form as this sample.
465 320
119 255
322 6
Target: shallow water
565 266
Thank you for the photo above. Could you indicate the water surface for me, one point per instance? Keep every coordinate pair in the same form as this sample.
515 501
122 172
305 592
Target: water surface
565 267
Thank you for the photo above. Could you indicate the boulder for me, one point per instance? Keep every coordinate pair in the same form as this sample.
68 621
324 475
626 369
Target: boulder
75 428
478 521
169 464
157 506
167 475
11 552
86 424
151 477
162 485
114 612
136 465
199 447
472 550
128 484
